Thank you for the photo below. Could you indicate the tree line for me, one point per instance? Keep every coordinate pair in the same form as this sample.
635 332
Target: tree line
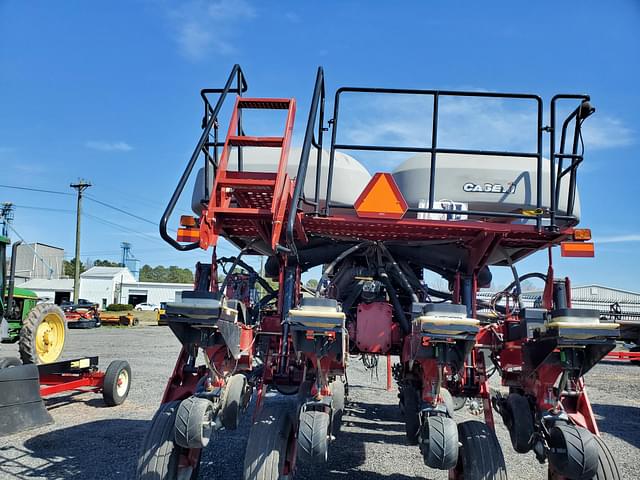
159 273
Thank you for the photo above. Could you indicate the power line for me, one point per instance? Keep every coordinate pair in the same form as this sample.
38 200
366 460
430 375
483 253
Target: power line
41 190
93 199
47 209
122 228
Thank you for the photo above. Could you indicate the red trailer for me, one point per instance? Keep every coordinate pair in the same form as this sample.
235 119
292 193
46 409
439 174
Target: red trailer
23 387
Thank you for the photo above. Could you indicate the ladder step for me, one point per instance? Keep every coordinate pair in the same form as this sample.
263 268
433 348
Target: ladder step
246 182
244 141
265 103
254 213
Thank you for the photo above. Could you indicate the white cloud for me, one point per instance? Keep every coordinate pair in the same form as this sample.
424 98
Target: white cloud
631 237
108 146
606 132
471 123
202 28
464 122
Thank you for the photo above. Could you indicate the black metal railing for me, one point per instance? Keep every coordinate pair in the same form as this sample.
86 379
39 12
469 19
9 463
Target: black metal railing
317 104
556 158
207 148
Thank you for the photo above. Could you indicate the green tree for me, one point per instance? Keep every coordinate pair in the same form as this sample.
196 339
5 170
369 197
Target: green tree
171 274
106 263
70 267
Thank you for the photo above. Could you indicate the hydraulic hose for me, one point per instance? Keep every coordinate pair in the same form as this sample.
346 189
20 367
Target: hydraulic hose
338 259
401 276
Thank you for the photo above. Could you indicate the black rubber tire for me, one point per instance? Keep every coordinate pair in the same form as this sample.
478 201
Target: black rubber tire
313 437
194 424
110 393
573 452
635 350
27 342
439 445
337 391
480 456
411 403
607 466
268 442
232 401
6 362
159 455
82 324
519 422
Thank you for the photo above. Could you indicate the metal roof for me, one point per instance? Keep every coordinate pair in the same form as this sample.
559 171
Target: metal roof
62 284
107 272
595 293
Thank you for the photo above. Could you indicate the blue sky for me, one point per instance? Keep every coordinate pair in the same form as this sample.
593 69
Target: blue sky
110 92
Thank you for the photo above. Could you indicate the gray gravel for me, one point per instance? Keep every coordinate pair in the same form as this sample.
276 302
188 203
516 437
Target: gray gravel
91 441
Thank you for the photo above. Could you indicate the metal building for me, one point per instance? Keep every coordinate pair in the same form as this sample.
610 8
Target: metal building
38 261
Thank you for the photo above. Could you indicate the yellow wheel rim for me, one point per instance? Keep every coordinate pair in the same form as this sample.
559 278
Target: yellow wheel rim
50 338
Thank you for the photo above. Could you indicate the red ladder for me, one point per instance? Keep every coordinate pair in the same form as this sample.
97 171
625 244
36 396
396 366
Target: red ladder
257 197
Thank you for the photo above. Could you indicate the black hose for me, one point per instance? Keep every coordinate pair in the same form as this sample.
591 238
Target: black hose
524 277
403 279
338 259
237 262
397 307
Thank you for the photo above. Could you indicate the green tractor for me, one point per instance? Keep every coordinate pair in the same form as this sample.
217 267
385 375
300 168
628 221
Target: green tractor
39 329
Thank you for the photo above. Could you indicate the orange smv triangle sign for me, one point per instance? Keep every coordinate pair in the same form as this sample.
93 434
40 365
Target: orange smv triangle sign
381 198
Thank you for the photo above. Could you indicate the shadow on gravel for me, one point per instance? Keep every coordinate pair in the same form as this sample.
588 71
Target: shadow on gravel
86 398
100 449
620 421
363 423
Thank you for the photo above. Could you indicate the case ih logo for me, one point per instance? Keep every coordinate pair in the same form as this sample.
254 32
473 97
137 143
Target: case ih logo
489 188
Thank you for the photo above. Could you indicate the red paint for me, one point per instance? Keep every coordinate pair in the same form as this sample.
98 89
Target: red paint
58 383
373 330
259 200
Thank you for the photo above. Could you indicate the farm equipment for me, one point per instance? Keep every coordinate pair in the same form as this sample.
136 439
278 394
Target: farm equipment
126 320
22 388
82 316
39 328
455 212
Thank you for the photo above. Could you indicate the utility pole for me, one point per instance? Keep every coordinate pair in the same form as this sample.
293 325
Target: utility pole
81 186
6 216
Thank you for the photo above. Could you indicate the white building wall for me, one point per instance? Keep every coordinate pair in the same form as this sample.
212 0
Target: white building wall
156 292
96 289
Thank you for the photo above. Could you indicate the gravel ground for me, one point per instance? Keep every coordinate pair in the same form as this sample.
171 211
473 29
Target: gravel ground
91 441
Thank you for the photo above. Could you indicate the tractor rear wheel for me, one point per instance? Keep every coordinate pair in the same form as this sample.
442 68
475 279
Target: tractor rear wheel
43 334
159 457
480 457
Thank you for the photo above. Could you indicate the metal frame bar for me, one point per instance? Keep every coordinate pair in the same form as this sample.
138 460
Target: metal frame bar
209 121
434 150
318 101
